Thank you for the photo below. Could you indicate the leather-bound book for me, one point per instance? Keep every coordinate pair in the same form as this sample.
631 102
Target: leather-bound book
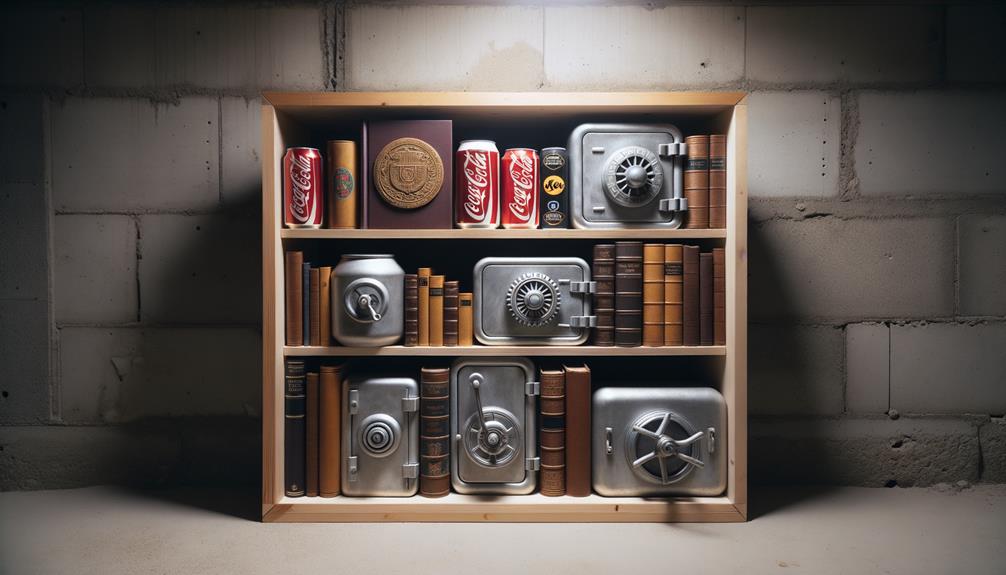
672 294
451 313
465 318
706 299
294 291
314 307
718 181
603 272
434 450
553 419
295 432
690 301
306 302
311 425
628 294
653 295
696 182
424 305
436 311
719 296
329 425
411 310
577 431
325 273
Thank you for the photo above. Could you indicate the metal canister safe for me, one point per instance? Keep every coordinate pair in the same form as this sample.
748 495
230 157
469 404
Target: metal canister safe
368 300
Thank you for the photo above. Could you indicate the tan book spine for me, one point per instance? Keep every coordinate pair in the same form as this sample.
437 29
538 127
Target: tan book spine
342 186
672 294
325 273
696 182
653 295
436 311
314 307
719 297
294 291
424 305
312 435
329 425
465 318
718 181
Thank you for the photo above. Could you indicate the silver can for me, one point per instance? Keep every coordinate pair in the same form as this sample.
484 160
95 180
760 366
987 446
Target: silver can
368 300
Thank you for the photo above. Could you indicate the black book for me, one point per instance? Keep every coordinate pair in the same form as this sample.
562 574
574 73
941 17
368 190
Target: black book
295 430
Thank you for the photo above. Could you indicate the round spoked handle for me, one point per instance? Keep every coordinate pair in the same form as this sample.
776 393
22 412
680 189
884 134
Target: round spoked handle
667 447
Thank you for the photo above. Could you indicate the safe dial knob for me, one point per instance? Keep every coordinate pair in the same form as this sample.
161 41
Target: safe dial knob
366 300
533 299
633 176
379 435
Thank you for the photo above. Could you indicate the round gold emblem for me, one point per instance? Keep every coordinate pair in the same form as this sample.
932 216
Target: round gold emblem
408 173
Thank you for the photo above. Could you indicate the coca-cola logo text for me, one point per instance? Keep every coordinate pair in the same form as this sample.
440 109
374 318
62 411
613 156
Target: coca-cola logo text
476 168
522 177
300 189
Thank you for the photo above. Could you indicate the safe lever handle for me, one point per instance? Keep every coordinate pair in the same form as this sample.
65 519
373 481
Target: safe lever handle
476 381
366 303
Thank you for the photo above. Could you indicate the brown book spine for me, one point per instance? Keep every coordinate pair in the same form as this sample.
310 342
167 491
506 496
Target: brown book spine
465 318
690 287
312 435
653 295
295 430
718 181
424 305
719 296
342 189
436 311
434 450
553 420
294 288
314 307
603 272
411 310
706 299
451 313
628 294
672 294
696 182
577 435
329 430
325 273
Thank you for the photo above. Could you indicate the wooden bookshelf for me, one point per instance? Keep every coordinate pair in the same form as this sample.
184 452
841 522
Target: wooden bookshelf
290 119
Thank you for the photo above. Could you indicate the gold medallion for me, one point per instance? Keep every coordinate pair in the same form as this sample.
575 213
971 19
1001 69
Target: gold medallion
408 173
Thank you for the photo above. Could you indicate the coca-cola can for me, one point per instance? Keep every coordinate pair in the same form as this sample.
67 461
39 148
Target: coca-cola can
302 188
476 185
520 188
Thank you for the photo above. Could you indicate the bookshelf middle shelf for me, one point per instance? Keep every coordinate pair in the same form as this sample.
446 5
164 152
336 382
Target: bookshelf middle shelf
510 350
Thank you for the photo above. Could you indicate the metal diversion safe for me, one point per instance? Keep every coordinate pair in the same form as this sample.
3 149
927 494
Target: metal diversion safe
532 301
659 441
380 436
493 424
368 300
626 176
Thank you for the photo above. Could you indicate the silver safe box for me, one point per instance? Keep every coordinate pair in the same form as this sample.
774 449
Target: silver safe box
380 436
494 425
626 176
659 441
532 301
368 292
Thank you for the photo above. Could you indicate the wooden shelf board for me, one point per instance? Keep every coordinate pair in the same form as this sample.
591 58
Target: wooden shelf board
514 508
510 350
502 234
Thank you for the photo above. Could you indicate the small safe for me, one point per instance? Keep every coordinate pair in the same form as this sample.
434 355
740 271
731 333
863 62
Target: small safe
493 423
626 176
659 441
380 436
532 301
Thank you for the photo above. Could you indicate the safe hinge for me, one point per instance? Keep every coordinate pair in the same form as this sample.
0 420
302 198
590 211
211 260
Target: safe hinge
532 464
354 401
673 205
672 149
532 388
410 470
580 321
410 404
352 464
582 287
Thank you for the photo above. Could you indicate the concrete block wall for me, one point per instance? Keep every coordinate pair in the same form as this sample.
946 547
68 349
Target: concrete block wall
129 190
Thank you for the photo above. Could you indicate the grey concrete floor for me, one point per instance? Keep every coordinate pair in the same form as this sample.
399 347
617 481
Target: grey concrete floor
848 530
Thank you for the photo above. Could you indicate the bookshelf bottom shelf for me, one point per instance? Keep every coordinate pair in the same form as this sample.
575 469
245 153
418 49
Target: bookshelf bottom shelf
534 508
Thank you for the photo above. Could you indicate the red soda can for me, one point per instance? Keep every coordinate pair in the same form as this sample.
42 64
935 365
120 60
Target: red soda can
476 185
520 188
302 188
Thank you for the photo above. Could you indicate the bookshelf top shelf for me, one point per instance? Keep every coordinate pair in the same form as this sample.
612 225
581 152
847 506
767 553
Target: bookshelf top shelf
501 234
510 350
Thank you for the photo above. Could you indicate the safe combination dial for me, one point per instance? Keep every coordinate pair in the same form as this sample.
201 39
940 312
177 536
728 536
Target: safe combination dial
633 176
491 436
533 299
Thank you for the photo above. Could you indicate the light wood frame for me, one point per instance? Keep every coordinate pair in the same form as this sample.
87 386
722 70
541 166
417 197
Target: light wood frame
284 116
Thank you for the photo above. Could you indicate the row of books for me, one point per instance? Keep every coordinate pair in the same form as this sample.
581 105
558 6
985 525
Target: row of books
705 182
307 293
659 294
436 314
